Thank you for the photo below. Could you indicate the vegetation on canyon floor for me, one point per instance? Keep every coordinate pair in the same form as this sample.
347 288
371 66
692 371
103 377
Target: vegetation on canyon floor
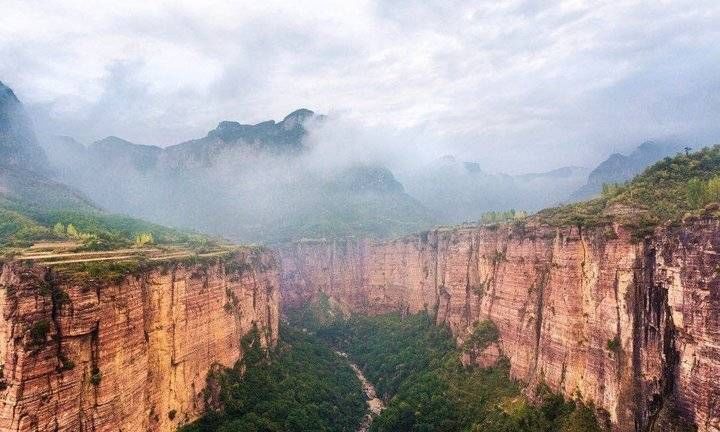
302 385
416 368
669 190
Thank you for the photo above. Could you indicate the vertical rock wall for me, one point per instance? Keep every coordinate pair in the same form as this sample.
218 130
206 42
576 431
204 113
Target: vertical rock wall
130 354
594 314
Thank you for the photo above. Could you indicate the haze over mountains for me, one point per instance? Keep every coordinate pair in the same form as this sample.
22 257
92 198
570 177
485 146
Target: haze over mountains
273 181
245 182
18 144
460 191
619 168
25 172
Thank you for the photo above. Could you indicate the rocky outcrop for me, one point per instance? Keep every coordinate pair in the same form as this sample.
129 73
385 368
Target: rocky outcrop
631 326
125 353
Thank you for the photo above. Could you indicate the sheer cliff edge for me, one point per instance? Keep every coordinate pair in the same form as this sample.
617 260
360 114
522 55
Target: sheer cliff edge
632 326
93 349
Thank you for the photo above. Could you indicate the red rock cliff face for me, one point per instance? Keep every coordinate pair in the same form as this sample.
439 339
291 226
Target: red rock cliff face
594 314
125 355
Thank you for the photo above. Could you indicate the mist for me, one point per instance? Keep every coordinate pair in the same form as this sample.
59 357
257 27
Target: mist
336 179
434 112
367 215
519 87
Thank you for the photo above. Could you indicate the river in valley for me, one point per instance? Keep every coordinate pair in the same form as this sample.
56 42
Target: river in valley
375 404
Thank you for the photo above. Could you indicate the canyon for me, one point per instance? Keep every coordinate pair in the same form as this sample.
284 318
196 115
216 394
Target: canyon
627 324
127 353
597 314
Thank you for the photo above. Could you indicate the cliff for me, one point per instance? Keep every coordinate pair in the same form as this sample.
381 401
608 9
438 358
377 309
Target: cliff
127 353
631 326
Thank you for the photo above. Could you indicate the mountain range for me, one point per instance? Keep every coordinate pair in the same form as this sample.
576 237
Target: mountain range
256 182
25 173
18 145
459 191
248 183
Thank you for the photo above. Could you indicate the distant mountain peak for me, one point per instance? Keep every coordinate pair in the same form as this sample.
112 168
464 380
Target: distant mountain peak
297 117
7 95
448 158
366 178
112 140
619 168
18 144
647 145
229 129
9 107
227 125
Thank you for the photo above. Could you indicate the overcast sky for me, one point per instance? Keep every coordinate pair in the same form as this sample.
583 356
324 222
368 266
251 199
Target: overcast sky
516 85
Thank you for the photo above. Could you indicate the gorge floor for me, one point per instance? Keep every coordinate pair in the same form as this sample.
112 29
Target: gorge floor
416 370
375 404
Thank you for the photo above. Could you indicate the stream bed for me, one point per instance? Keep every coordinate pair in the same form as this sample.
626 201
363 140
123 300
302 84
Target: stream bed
375 404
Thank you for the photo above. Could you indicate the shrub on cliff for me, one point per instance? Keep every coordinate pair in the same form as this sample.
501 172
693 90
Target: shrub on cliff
484 333
95 376
495 217
113 271
614 344
581 419
38 333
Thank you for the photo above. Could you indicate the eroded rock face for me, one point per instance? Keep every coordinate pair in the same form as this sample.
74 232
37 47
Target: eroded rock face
594 314
130 354
688 267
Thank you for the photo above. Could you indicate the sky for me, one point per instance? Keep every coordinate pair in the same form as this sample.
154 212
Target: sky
517 85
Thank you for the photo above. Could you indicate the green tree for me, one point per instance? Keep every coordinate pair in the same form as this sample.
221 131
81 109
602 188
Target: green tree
144 238
695 192
610 189
712 190
302 385
59 229
72 231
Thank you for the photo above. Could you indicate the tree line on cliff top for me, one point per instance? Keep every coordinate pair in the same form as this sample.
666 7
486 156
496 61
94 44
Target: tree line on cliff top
675 188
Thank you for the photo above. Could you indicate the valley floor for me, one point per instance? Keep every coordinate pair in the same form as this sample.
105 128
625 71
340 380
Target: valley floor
301 385
417 370
377 374
375 404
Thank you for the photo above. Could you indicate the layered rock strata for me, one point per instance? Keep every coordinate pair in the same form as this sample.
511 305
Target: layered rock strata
127 353
630 325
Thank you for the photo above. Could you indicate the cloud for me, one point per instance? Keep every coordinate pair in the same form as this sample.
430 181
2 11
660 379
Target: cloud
516 85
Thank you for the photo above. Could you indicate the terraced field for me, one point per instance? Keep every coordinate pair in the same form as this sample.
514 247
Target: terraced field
67 252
